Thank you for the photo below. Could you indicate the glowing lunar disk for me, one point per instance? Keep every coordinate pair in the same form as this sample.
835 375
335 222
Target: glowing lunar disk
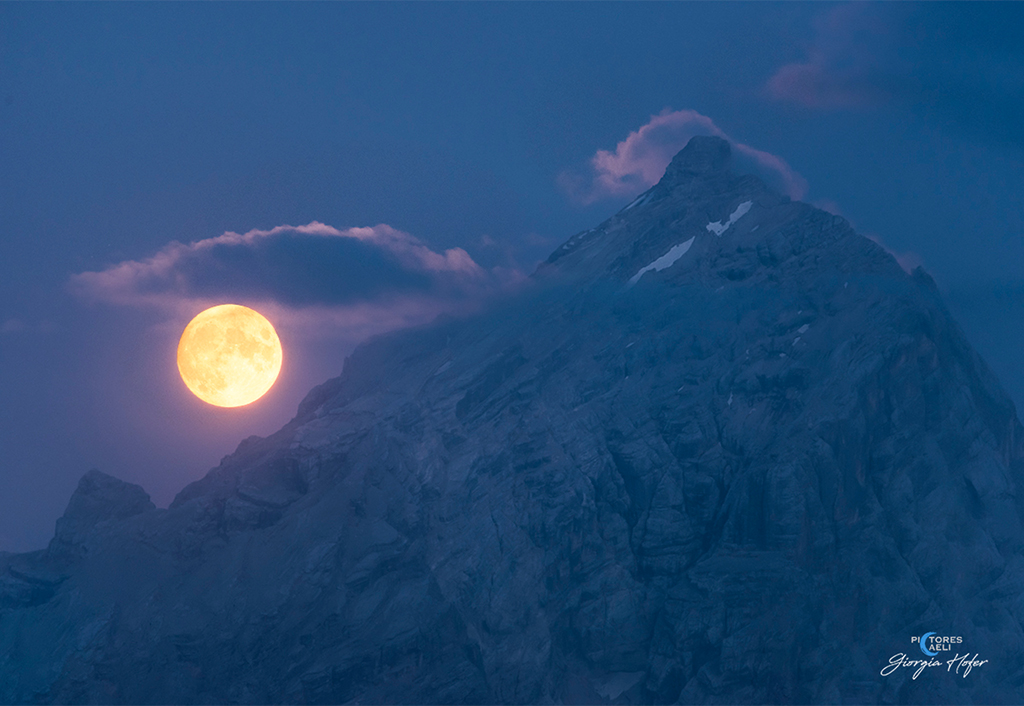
229 355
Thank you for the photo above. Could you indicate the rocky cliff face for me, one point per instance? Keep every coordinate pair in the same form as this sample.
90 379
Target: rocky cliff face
723 450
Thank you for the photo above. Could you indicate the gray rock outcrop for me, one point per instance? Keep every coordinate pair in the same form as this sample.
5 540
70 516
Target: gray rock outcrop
721 449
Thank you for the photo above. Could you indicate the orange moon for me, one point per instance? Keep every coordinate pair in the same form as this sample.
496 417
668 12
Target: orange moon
229 355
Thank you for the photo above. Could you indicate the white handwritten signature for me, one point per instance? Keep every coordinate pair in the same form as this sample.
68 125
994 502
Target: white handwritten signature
900 660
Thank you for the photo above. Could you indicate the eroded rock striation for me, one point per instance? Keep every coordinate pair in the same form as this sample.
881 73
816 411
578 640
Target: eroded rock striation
750 474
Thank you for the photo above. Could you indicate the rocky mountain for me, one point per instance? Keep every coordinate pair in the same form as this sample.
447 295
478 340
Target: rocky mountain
721 449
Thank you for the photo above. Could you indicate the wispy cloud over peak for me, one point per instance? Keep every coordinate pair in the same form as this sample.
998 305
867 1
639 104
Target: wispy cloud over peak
639 161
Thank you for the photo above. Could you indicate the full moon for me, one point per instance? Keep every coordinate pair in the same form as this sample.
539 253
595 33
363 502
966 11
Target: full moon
229 355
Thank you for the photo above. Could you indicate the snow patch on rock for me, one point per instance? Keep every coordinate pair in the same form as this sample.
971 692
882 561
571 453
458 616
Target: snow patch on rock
640 200
718 227
663 262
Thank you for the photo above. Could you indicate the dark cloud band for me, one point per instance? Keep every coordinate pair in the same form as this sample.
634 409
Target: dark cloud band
312 265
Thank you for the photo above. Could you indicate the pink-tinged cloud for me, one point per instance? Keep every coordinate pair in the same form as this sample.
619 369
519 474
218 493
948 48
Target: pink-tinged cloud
357 281
639 161
849 64
814 86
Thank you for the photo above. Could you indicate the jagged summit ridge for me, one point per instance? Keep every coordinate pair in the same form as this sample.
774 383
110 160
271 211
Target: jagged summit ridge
751 477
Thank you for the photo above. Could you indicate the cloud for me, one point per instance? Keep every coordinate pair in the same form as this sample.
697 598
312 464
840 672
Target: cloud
848 64
296 266
954 65
639 161
363 280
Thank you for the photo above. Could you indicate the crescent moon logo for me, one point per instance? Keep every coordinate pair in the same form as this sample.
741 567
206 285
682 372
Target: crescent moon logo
925 649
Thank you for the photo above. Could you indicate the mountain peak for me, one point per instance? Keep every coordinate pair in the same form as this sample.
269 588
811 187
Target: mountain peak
703 154
99 497
735 436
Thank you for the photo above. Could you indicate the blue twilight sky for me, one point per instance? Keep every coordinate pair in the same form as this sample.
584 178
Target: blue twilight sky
426 156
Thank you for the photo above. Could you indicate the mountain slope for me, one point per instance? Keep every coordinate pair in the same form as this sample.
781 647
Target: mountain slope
721 450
